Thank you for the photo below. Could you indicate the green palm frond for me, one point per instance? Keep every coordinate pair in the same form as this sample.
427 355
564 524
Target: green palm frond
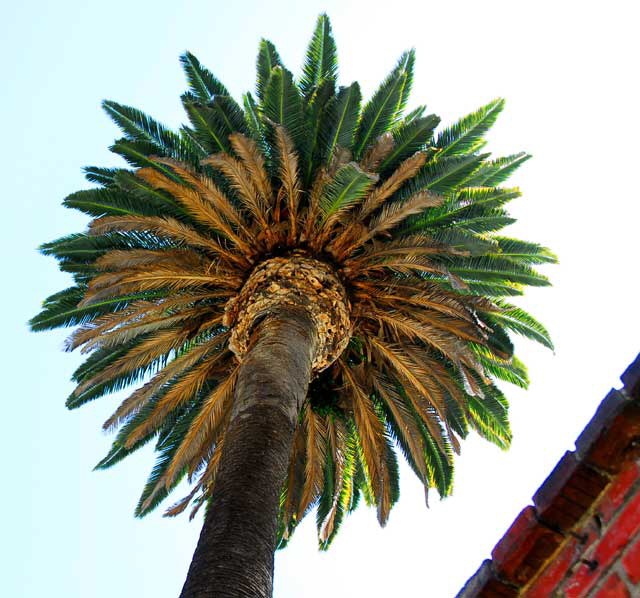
466 135
268 59
525 251
282 104
444 176
213 122
347 188
202 83
488 416
386 105
152 496
321 63
516 319
101 202
496 269
495 172
100 176
408 138
255 126
339 126
314 116
137 126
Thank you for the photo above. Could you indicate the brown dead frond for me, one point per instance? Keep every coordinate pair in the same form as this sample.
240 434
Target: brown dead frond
204 424
240 180
188 386
290 180
162 226
390 185
377 152
141 396
253 161
315 458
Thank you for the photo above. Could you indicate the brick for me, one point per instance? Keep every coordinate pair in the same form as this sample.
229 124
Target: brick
618 443
631 562
477 581
495 588
618 491
614 587
583 579
524 548
618 535
484 584
610 407
556 571
568 492
631 378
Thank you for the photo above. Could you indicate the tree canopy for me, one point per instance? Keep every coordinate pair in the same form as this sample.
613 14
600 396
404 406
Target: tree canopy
407 215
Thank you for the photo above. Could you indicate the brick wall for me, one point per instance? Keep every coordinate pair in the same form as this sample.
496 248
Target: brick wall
602 556
581 536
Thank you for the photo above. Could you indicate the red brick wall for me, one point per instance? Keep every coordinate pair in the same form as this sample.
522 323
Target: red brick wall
602 557
581 536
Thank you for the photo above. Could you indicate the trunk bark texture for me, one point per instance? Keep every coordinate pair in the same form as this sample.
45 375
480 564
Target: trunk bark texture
234 555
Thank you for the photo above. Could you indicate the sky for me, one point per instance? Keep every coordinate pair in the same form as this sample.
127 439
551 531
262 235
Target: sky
569 73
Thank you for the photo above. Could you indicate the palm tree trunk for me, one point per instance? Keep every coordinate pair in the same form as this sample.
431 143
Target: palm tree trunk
234 555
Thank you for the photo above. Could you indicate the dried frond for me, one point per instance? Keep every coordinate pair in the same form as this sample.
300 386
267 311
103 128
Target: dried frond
188 386
137 311
203 425
206 212
289 177
253 161
120 259
411 374
242 182
404 420
315 457
405 264
181 505
444 341
393 214
127 332
242 236
371 433
390 185
140 397
313 210
295 479
168 277
336 435
340 157
164 226
140 356
377 152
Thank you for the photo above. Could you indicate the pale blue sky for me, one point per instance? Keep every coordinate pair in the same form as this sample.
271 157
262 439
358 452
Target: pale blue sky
568 71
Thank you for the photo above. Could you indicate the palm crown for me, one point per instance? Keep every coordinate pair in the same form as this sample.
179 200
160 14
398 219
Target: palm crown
300 191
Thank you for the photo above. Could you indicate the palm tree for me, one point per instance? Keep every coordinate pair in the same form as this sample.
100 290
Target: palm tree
303 285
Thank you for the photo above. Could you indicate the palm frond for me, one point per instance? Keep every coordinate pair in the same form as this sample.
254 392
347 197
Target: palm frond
385 106
409 138
202 83
466 135
495 172
346 189
282 104
268 59
138 126
517 319
339 128
321 62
